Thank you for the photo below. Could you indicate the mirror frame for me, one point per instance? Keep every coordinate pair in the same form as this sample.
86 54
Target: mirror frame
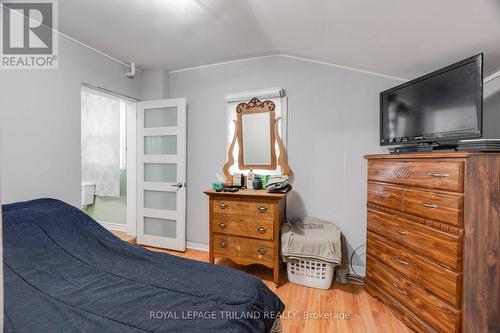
252 107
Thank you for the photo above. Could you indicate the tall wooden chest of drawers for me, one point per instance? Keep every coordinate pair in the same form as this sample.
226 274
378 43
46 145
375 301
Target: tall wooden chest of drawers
433 239
245 227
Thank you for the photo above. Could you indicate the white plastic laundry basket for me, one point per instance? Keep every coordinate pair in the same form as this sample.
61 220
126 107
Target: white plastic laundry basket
310 273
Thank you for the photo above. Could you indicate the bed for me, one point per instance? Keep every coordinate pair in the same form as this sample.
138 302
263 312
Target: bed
65 273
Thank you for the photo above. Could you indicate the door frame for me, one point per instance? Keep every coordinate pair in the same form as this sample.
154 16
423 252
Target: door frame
132 168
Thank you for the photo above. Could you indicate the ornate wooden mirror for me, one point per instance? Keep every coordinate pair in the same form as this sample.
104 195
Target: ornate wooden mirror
260 146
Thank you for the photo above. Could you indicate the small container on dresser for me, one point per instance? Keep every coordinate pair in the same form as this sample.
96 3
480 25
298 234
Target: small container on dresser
245 227
433 239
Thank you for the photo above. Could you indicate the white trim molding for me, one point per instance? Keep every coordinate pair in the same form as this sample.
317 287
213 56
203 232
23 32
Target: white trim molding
291 57
492 77
260 93
114 226
354 69
221 63
197 246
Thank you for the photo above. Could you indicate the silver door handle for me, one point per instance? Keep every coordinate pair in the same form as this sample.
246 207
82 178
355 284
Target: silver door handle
178 185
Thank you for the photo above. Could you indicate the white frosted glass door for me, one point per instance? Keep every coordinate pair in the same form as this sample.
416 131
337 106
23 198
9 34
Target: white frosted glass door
161 166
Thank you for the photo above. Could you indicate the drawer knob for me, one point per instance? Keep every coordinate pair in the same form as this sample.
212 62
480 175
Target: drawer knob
403 232
401 291
401 261
382 196
262 209
222 225
261 230
223 243
222 205
428 205
262 250
438 175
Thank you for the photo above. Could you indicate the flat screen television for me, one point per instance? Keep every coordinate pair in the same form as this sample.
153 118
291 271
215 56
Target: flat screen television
439 108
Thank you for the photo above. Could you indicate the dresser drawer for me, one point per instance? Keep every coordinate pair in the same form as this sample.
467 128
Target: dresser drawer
243 226
447 175
246 248
434 206
258 209
439 246
427 307
442 282
384 195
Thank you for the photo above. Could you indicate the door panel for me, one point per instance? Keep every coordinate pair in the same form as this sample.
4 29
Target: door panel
160 172
160 116
161 220
160 200
160 227
160 145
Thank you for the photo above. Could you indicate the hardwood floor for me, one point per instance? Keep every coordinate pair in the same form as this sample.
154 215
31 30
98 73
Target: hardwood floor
303 305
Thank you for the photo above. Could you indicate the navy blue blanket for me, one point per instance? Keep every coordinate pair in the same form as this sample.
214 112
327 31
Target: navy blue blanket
66 273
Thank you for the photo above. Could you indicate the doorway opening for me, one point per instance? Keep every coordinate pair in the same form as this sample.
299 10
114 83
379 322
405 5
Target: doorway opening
105 161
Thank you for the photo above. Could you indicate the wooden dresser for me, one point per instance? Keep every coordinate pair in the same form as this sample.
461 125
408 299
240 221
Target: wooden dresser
433 239
245 227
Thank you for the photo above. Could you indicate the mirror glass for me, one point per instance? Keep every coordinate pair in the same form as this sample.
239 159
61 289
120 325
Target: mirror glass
256 137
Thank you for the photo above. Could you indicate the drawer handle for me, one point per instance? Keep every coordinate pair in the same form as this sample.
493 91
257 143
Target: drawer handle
222 225
222 205
376 171
401 261
262 250
261 230
428 205
403 232
401 291
262 209
223 243
438 175
382 196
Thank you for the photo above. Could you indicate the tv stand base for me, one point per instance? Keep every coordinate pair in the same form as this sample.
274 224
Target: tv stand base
423 148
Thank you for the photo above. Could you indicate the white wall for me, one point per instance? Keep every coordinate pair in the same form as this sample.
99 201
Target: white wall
1 264
153 84
40 122
491 109
332 122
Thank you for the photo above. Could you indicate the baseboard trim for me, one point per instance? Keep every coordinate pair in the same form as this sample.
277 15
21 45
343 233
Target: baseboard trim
114 226
197 246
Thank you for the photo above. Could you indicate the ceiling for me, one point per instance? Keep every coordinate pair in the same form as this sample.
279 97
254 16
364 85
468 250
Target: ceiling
393 37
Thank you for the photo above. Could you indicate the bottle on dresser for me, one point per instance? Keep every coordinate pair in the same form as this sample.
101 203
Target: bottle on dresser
250 178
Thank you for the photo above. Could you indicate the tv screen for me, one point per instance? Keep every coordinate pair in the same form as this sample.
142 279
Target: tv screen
443 106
